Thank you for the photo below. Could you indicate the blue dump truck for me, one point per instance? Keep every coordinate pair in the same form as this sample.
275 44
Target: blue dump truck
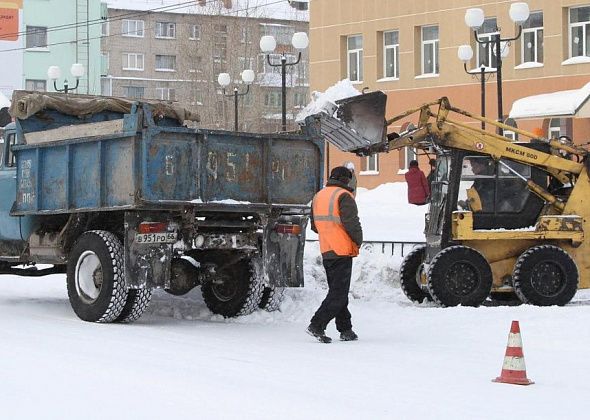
124 198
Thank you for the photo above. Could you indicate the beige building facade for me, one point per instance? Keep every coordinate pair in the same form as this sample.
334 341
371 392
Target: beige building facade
408 49
176 54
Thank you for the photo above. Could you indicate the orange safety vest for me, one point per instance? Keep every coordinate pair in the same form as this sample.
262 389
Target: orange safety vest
326 217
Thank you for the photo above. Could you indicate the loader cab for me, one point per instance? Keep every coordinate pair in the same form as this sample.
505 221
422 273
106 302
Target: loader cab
496 192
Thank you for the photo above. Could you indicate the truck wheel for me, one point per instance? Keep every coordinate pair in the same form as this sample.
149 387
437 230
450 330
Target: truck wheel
234 291
272 297
459 275
137 302
408 275
545 275
95 277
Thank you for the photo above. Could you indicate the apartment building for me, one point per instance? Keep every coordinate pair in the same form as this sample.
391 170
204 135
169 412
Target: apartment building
409 51
37 34
172 50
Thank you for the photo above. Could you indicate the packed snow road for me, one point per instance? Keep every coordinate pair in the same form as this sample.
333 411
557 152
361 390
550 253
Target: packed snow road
180 361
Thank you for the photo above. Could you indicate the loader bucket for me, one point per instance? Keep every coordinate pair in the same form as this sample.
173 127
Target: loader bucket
360 123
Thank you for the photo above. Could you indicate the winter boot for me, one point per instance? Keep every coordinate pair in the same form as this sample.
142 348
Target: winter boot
348 335
319 334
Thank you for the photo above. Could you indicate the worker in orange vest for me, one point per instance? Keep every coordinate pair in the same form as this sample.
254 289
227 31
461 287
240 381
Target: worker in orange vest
334 217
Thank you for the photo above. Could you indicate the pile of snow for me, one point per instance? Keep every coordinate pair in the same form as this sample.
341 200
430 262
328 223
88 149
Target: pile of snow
325 101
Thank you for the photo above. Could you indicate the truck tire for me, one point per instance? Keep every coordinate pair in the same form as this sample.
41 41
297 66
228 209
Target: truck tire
272 297
459 275
408 273
234 291
95 277
137 302
545 275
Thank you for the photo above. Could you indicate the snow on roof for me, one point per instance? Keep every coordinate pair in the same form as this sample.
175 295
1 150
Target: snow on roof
563 103
4 101
264 9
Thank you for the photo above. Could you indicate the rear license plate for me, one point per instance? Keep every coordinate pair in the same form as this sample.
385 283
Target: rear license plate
155 238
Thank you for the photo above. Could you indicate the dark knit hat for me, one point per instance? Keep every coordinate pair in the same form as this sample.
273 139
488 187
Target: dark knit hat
342 174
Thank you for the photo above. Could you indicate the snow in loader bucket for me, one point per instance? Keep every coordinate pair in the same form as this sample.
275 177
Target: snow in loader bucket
359 125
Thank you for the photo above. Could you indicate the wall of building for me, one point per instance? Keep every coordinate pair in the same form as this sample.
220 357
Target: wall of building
77 40
333 20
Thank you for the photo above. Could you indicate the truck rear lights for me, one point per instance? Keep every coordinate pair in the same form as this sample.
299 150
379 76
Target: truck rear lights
290 229
152 227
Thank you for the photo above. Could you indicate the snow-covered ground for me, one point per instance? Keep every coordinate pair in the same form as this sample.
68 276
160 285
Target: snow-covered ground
180 361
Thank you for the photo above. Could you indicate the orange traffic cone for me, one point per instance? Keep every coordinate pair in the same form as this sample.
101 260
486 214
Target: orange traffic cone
513 369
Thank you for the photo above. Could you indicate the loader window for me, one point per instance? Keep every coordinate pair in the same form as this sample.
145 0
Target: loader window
493 187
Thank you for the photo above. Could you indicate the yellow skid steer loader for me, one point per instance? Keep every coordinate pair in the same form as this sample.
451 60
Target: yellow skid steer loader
506 219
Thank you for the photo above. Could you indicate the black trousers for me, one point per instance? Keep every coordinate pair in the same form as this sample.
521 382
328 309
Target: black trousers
335 305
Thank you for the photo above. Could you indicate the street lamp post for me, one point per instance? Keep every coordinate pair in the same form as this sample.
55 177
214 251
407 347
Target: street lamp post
474 18
224 80
465 53
54 73
268 44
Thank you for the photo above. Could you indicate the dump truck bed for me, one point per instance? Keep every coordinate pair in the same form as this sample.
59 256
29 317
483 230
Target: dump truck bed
132 163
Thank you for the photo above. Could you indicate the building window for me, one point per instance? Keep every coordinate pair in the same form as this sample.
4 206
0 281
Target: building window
195 32
104 63
134 92
106 86
166 93
283 34
355 58
300 100
132 28
579 28
370 165
133 61
391 54
198 95
36 37
165 62
272 99
246 63
555 130
38 85
104 28
245 36
486 56
430 50
409 155
166 30
532 39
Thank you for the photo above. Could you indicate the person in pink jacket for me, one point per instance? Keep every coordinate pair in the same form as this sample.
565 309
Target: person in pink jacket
418 189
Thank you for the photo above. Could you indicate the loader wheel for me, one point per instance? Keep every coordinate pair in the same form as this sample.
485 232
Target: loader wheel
545 275
95 277
137 302
459 275
235 290
408 275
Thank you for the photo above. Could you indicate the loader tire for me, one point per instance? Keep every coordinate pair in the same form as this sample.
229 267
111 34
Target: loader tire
137 302
234 291
545 275
459 275
96 278
272 297
408 275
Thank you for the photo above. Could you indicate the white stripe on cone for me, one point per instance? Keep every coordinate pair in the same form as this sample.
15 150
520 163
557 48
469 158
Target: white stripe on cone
513 363
514 340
